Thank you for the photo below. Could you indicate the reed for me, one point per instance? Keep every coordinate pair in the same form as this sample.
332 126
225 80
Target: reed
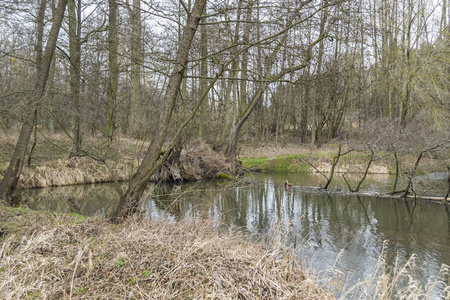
398 282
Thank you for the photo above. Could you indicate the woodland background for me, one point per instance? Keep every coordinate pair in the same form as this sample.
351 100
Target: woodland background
304 71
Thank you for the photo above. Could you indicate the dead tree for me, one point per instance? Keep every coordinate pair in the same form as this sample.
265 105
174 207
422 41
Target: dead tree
358 186
411 176
333 166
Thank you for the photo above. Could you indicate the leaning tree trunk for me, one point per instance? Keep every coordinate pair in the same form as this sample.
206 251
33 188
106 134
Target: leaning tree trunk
9 182
154 158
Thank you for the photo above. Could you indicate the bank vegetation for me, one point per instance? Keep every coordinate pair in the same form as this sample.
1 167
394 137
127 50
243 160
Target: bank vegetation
68 256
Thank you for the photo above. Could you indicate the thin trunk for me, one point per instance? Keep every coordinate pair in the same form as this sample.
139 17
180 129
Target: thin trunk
38 48
136 60
304 107
203 75
229 107
404 107
74 10
51 77
443 24
245 57
314 120
11 178
40 35
113 69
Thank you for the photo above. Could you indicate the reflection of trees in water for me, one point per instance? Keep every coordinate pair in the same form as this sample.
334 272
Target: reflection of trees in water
83 199
326 222
364 209
410 211
166 198
179 200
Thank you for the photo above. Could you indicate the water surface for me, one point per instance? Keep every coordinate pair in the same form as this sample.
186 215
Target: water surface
330 230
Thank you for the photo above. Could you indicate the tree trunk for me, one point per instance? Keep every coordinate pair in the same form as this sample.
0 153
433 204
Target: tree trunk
75 76
113 69
314 113
245 59
304 107
203 82
154 158
136 60
9 182
404 105
231 82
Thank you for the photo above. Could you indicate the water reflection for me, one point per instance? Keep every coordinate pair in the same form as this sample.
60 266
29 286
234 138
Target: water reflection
324 224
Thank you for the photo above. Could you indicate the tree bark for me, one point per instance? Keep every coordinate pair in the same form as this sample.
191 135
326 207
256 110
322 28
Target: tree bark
136 60
154 158
245 59
9 182
113 69
231 83
314 113
74 10
203 82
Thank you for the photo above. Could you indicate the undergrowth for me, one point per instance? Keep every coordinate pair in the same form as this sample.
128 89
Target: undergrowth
54 256
63 256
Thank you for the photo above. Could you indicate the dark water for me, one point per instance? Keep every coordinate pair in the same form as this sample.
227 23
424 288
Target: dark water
332 230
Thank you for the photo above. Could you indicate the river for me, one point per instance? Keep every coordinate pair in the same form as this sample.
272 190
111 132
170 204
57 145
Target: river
339 236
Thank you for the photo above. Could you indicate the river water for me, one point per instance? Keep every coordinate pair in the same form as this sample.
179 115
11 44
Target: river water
337 235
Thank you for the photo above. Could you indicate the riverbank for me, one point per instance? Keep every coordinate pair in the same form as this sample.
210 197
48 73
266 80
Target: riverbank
52 163
54 256
298 158
106 161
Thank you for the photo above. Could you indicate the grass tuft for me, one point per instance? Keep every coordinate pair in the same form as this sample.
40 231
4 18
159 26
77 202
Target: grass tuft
185 260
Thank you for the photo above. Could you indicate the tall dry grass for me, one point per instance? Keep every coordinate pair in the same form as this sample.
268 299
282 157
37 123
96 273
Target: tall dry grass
52 256
62 256
398 282
71 171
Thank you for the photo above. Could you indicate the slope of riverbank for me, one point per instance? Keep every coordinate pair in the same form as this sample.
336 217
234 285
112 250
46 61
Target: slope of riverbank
53 165
104 161
303 158
58 256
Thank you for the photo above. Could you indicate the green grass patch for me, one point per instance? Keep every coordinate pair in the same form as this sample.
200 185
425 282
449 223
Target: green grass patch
4 166
78 216
121 262
289 163
254 163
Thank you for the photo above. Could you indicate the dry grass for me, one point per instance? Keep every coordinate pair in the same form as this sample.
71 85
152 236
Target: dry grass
52 166
398 282
53 256
72 171
63 256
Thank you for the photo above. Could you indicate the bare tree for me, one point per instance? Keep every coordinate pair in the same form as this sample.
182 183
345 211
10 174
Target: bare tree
154 158
9 182
113 65
74 9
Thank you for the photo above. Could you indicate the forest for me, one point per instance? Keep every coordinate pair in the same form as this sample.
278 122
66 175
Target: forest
157 97
225 72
